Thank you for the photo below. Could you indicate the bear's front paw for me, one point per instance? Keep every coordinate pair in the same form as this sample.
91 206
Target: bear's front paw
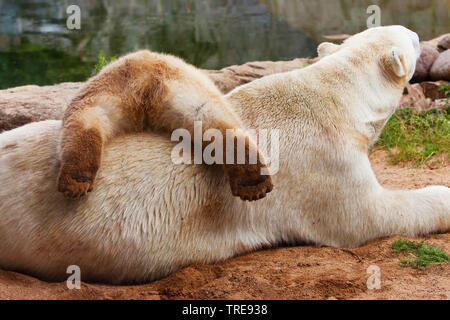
73 184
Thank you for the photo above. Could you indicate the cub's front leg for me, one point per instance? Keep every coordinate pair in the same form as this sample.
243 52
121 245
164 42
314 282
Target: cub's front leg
80 161
87 125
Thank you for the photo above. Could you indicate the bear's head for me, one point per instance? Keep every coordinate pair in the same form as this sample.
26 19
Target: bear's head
394 48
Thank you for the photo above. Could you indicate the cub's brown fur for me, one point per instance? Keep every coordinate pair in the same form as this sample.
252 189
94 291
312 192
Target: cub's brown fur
148 90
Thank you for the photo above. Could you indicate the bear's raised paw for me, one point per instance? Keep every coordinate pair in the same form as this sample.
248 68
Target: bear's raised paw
246 184
75 186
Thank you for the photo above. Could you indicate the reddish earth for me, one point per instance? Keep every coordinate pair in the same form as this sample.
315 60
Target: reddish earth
303 272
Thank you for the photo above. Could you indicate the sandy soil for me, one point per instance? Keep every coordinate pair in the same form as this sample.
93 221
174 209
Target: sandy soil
303 272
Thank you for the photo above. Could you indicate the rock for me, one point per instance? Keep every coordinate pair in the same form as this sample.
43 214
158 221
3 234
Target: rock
231 77
441 67
415 99
444 44
435 42
440 104
431 89
427 57
424 96
21 105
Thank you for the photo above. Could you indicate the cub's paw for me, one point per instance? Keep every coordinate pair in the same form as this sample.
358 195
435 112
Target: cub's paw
247 183
73 184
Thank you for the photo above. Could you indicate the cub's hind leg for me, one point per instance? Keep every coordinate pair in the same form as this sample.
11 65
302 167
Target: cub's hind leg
197 99
80 164
116 100
84 133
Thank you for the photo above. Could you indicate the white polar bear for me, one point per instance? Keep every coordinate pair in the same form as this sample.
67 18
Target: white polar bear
149 217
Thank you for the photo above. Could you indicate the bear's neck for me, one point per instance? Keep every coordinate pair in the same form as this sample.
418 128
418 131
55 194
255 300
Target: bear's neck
364 96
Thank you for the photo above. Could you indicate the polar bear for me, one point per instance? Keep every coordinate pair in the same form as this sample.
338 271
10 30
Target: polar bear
149 217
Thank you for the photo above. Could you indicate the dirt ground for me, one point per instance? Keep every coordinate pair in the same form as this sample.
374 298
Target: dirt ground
303 272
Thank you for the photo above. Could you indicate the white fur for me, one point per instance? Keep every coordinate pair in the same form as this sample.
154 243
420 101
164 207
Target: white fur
148 217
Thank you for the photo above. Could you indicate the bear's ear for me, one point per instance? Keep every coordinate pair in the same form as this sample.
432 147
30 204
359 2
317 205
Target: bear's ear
396 62
327 48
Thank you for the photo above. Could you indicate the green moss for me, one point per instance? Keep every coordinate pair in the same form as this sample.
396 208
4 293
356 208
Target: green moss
426 254
416 138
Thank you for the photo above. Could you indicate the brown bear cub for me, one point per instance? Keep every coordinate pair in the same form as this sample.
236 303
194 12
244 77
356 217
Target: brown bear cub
146 90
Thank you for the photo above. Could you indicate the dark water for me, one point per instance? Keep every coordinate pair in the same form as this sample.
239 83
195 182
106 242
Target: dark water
37 48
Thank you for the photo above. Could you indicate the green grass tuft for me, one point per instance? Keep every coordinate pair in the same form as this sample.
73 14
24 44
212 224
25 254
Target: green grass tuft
446 89
415 138
426 254
102 61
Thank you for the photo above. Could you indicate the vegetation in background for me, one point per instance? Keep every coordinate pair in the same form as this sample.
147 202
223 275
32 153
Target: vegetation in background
30 63
446 89
425 254
103 61
415 138
184 43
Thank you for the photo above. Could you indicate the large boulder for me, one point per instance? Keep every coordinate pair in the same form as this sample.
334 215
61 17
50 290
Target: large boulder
21 105
444 44
231 77
441 67
423 96
428 55
436 41
414 98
